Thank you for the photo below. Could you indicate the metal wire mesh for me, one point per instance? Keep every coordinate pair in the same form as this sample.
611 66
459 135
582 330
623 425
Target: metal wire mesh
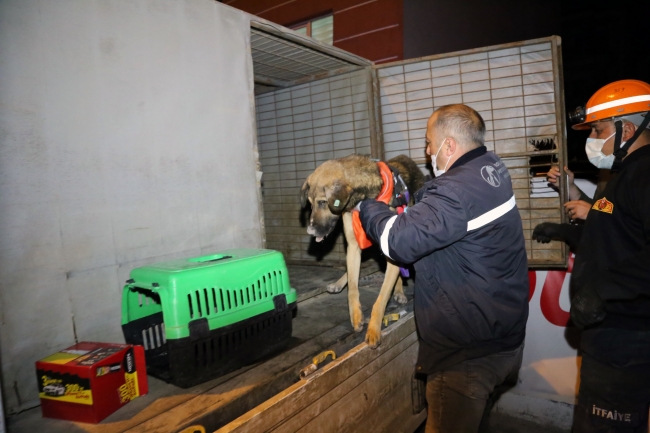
287 61
515 91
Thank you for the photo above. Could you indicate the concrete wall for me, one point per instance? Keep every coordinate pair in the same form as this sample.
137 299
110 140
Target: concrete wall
126 137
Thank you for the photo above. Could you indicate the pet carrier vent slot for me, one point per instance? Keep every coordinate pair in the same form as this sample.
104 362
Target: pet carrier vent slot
214 300
189 301
154 336
274 286
198 303
207 302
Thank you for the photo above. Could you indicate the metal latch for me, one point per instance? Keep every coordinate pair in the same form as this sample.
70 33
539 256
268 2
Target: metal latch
393 317
318 359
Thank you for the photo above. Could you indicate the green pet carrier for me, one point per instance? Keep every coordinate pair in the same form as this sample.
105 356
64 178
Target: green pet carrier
202 317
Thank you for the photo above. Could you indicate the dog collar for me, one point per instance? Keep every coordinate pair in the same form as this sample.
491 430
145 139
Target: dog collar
393 192
386 193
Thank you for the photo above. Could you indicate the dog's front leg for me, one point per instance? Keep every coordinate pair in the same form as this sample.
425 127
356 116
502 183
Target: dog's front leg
373 336
353 262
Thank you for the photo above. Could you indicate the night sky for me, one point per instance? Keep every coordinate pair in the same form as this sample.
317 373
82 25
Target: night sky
601 41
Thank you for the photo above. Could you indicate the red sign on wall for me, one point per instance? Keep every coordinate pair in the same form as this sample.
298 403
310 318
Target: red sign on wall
550 297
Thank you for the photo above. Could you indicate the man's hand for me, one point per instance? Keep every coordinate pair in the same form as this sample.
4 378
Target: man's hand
553 177
546 232
577 209
363 203
587 308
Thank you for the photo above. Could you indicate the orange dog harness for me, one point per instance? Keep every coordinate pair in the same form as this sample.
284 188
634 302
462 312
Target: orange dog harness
385 195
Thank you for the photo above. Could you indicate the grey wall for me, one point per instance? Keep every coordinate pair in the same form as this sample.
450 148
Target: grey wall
126 137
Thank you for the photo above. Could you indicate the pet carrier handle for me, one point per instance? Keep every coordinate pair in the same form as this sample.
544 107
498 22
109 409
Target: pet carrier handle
209 258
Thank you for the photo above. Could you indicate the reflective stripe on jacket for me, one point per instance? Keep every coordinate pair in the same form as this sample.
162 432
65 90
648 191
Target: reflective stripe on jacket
466 241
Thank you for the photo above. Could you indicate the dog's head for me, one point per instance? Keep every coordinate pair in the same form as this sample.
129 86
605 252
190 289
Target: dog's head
329 196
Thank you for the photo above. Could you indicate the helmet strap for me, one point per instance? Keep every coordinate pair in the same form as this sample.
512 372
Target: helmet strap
621 152
618 152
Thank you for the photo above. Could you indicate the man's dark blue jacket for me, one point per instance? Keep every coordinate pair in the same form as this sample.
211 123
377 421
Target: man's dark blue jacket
466 241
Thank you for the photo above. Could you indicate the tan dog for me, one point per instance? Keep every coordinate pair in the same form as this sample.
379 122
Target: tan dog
333 190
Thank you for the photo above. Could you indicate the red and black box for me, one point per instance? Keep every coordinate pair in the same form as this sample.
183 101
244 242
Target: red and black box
89 381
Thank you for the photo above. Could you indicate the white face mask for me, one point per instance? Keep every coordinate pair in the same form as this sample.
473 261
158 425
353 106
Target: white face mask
594 149
437 172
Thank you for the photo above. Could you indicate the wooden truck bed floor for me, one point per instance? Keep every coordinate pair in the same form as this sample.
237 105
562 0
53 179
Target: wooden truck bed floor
269 394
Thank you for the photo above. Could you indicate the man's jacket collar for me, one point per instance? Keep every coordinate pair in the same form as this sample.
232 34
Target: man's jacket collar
467 157
639 153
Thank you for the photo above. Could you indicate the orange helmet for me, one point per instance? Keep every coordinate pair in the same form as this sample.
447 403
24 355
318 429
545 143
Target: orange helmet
620 98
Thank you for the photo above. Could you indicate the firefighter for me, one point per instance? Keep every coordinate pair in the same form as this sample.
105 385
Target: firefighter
611 274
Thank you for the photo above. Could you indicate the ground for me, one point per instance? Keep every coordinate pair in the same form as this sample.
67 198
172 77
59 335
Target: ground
500 423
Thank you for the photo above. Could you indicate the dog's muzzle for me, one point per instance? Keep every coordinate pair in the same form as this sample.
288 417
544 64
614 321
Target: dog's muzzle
311 230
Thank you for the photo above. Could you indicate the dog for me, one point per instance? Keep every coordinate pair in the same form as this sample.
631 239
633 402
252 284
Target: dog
333 190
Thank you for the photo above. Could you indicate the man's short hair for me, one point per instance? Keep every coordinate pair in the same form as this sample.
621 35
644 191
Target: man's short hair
462 123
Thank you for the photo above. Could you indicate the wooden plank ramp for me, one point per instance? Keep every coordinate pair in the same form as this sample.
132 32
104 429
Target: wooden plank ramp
364 390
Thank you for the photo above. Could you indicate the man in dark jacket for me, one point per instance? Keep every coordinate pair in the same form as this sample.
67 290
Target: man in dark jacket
611 275
465 239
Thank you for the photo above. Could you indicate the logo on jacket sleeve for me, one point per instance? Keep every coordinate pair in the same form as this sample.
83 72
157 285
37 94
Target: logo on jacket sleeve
603 205
491 175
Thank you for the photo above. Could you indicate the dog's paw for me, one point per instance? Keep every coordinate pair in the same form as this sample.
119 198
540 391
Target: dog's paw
334 288
400 298
373 337
357 321
358 325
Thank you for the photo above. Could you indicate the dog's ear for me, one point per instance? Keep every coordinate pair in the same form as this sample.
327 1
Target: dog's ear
338 195
304 191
